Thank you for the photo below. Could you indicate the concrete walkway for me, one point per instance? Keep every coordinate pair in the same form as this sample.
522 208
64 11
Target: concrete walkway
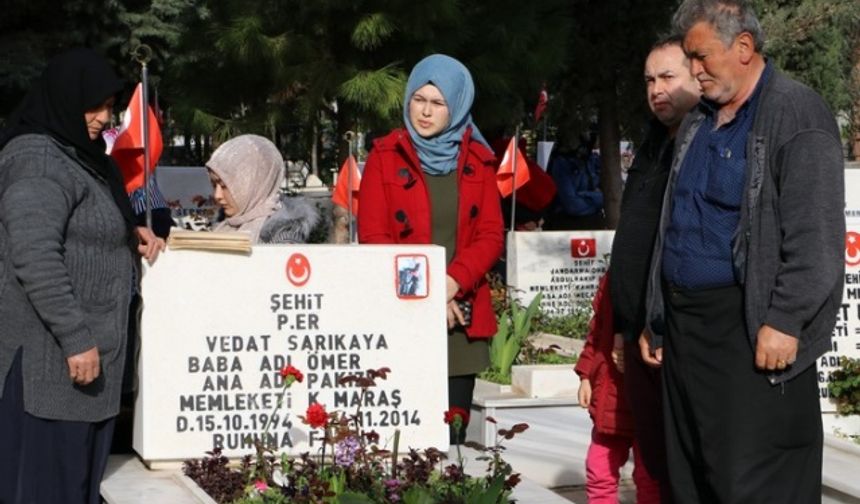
552 453
128 481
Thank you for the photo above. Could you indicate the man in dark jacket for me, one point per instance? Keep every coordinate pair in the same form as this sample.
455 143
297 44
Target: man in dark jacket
672 92
747 271
576 174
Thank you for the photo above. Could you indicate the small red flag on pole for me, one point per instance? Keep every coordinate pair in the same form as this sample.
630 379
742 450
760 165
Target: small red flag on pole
540 108
348 181
128 147
513 171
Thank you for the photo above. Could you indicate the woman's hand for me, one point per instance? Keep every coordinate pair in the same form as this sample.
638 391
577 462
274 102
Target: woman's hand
451 288
150 245
84 367
455 315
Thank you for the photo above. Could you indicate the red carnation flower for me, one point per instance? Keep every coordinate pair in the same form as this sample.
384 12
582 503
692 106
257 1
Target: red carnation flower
316 416
289 371
456 416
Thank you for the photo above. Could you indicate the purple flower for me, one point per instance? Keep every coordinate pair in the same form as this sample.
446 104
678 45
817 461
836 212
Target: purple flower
345 451
392 487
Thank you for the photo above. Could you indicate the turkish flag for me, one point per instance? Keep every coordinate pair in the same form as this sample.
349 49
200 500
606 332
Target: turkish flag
852 248
128 148
506 179
342 189
583 248
543 100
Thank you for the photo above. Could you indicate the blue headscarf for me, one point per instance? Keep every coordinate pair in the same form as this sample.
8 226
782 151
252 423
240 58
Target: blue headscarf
438 154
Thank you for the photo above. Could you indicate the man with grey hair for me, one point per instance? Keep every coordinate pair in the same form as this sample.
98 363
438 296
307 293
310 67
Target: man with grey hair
747 271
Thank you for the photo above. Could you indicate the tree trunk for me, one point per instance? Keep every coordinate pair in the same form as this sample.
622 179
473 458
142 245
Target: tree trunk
345 123
854 133
610 156
187 153
315 142
207 148
198 149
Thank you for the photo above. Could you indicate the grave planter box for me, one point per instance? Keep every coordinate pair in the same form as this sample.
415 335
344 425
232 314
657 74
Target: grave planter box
545 380
848 425
566 346
199 494
487 388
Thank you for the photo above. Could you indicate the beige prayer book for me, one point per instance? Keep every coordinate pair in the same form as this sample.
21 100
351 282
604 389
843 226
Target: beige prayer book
235 241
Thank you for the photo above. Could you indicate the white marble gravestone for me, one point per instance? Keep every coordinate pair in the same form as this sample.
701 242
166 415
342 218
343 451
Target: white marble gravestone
218 327
565 266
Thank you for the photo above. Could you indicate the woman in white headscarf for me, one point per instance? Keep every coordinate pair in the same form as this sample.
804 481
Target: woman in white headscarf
247 173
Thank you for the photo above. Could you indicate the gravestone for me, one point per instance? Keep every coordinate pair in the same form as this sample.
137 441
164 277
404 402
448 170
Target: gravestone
218 327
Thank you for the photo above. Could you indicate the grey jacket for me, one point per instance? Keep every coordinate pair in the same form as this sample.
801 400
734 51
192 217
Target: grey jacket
788 250
65 279
292 223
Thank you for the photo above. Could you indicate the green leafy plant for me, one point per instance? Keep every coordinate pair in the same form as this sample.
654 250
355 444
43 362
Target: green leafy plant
514 328
844 386
572 325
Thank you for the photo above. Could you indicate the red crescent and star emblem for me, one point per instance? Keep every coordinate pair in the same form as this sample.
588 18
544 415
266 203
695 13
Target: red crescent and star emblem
298 269
583 247
852 248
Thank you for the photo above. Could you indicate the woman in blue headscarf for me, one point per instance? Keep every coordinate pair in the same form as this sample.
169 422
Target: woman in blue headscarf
434 182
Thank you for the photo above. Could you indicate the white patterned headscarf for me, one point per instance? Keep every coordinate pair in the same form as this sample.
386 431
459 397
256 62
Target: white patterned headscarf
252 169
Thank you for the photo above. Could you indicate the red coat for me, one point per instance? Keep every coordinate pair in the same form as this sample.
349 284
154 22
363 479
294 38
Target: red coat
608 407
395 208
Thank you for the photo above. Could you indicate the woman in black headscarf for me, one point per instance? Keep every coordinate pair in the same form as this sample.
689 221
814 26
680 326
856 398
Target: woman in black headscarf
68 249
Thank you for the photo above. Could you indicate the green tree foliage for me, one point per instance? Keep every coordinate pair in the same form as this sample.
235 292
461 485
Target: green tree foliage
278 68
512 48
307 66
31 31
814 41
818 43
602 79
159 25
303 72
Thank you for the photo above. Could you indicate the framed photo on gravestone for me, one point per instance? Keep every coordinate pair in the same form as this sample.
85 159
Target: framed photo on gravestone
412 276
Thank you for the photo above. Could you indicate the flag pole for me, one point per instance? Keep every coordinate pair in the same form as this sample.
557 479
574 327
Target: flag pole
516 141
545 121
143 54
349 136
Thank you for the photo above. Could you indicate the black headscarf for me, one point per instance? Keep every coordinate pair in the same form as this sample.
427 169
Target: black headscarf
73 82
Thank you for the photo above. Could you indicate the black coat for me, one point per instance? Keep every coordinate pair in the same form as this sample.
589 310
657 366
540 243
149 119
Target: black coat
634 237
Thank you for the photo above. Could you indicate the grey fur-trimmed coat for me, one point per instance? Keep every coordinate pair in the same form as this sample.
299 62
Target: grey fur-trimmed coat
292 223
